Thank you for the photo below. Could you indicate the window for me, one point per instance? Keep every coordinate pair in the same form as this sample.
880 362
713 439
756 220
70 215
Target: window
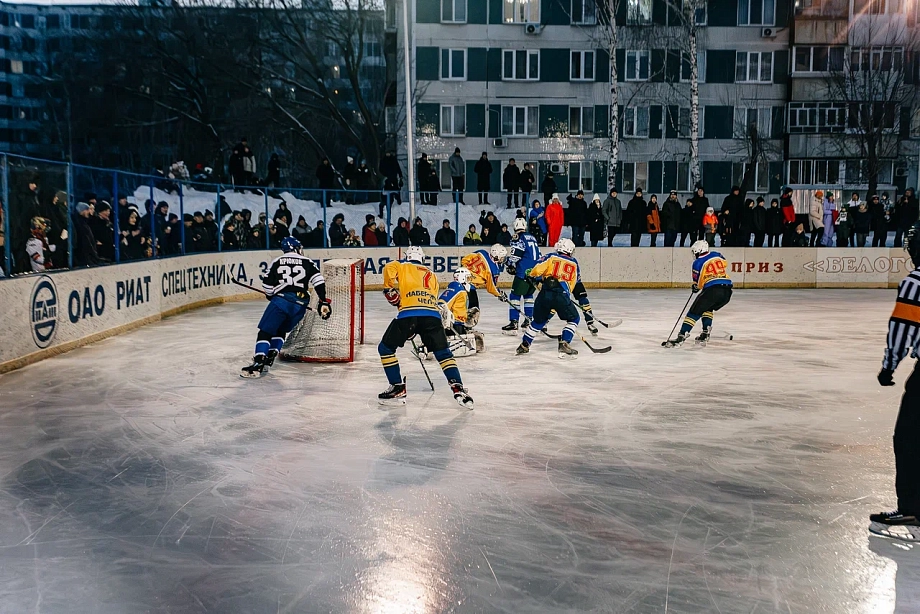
27 44
372 49
522 11
520 65
686 70
453 64
635 122
637 65
756 12
817 117
584 12
519 121
391 117
582 67
53 22
857 171
865 117
581 176
453 120
879 7
699 11
814 171
760 119
678 120
453 11
818 59
635 176
876 58
639 12
16 67
761 175
581 121
683 177
754 67
27 21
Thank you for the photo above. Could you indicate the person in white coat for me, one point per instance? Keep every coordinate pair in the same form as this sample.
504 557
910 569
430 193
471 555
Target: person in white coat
816 219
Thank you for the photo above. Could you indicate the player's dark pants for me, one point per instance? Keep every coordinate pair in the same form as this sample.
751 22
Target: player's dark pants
549 300
279 318
434 338
710 300
906 450
472 298
520 288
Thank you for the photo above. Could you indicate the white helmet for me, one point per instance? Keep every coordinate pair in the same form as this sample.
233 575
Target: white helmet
498 253
564 246
462 276
519 224
699 248
414 253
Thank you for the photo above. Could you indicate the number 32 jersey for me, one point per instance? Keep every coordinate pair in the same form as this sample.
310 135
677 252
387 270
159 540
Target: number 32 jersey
290 273
711 270
562 267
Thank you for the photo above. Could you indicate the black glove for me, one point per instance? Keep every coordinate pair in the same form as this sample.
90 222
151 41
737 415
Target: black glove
511 269
325 309
885 377
694 288
502 296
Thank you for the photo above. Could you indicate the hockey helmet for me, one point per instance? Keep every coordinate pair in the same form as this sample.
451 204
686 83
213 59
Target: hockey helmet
414 253
290 244
699 248
462 276
498 253
519 225
912 243
39 226
564 246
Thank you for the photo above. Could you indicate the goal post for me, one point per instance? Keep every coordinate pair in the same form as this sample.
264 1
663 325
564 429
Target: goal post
332 340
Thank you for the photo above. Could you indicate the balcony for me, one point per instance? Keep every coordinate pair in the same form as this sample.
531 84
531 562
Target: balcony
822 9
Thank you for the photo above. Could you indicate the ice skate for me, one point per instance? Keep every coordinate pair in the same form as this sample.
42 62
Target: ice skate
270 358
566 351
461 395
703 337
895 525
676 342
394 395
511 328
522 349
256 369
526 323
593 328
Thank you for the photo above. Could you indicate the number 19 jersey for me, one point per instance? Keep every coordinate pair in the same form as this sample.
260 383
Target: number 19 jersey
417 285
711 270
562 267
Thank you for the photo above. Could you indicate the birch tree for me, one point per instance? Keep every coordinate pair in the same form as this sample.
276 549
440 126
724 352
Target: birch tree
609 34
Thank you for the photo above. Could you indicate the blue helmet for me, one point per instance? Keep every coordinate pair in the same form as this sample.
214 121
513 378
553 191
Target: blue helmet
290 244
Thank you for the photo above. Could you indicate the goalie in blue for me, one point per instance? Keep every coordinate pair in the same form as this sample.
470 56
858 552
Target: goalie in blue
285 284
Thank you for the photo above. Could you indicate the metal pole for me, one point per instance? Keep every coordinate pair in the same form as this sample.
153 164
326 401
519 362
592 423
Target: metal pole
181 218
116 213
7 250
219 218
457 216
410 122
152 218
325 223
389 228
265 196
70 210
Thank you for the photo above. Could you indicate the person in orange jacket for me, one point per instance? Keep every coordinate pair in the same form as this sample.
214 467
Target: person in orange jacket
710 225
554 219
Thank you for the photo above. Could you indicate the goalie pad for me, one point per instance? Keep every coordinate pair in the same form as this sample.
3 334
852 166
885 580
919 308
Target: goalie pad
459 345
447 318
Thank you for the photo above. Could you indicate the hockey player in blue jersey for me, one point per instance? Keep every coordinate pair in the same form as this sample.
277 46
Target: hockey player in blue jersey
710 279
558 275
285 284
525 253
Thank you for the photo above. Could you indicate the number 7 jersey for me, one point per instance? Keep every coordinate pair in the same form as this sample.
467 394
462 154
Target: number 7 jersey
417 285
711 270
562 267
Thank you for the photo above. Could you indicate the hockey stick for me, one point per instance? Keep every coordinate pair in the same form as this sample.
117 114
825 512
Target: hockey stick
594 349
421 362
614 324
287 298
664 343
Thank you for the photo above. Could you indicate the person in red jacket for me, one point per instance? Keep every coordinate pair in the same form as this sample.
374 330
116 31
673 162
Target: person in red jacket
788 209
554 218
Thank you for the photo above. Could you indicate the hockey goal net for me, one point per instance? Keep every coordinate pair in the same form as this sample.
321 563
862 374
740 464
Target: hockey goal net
332 340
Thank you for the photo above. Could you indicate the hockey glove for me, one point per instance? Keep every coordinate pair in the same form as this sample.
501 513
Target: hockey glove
885 377
392 296
694 288
325 309
511 269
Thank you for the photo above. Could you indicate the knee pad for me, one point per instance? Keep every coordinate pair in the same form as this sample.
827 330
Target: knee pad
442 354
384 350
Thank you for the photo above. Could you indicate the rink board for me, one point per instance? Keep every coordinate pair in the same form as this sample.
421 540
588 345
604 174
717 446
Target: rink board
52 313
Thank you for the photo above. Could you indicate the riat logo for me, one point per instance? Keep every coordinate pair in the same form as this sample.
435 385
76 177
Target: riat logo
44 310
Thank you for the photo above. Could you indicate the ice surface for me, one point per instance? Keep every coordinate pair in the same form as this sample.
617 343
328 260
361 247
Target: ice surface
141 474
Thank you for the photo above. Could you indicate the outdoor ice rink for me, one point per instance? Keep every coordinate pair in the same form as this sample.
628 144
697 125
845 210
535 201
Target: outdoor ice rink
142 474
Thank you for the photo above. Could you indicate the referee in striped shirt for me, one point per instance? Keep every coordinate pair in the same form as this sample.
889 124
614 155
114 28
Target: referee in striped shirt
904 337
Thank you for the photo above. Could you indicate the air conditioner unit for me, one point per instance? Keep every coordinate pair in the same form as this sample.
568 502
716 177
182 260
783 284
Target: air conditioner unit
533 28
768 32
557 168
499 142
900 171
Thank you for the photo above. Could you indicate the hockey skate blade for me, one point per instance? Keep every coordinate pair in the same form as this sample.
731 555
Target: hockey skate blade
563 356
465 404
904 533
511 333
255 375
392 402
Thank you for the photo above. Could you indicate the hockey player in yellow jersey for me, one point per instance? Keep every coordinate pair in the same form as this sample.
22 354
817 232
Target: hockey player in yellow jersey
458 318
413 288
485 267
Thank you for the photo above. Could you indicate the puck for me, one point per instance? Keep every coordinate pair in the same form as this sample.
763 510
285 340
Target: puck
730 337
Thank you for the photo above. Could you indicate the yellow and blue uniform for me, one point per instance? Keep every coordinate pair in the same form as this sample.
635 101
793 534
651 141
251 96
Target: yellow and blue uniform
418 315
455 297
559 275
710 275
417 285
485 270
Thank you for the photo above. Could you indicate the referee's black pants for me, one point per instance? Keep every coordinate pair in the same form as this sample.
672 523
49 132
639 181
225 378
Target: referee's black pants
906 448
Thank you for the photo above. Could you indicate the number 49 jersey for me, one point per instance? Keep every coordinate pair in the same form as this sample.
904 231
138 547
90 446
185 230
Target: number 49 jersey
711 270
291 273
562 267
